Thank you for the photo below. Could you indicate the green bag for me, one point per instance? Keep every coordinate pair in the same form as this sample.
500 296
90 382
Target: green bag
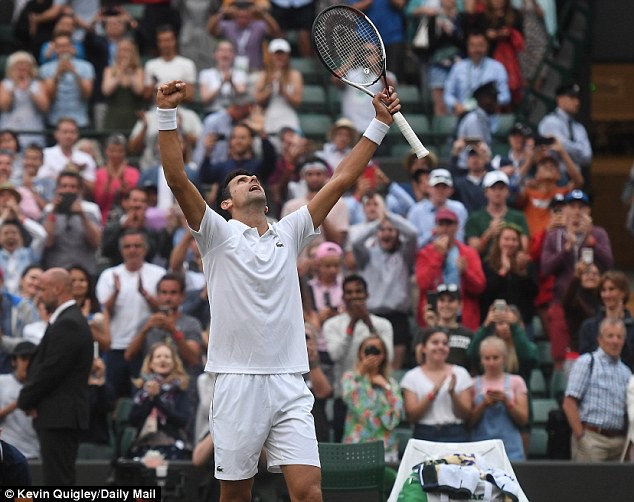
412 490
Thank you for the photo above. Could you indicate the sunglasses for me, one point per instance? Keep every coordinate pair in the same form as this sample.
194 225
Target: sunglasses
447 288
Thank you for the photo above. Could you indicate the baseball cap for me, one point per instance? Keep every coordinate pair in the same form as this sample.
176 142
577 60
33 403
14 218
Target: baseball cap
493 177
9 187
578 196
328 248
519 128
279 45
446 214
571 89
558 200
24 349
450 289
440 176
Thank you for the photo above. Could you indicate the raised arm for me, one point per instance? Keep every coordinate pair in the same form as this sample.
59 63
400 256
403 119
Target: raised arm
168 97
352 166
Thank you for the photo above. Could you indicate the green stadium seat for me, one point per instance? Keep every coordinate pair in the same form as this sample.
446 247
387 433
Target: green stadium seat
313 99
537 384
538 445
558 385
315 126
312 70
506 121
410 99
541 407
445 125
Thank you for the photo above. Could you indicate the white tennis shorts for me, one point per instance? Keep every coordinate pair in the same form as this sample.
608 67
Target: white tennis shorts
251 412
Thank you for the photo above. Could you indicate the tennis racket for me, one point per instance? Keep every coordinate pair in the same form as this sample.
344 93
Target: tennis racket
350 46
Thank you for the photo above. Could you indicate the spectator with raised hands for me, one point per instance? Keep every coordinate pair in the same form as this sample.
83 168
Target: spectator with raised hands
436 394
279 89
246 25
23 99
221 82
68 82
73 225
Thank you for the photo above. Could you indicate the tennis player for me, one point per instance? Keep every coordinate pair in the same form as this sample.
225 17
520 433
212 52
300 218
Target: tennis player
257 349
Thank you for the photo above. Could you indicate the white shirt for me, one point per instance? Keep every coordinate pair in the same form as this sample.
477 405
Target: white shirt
55 162
59 310
158 70
344 349
130 307
441 410
257 326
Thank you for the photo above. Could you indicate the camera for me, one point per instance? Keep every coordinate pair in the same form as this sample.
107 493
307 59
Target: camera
65 204
164 309
499 305
587 255
543 141
371 350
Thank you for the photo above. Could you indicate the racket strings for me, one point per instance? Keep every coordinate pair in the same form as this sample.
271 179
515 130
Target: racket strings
349 46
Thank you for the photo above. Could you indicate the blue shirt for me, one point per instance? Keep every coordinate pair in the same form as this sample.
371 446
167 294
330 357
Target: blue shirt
423 217
570 133
601 392
387 19
465 77
68 101
219 123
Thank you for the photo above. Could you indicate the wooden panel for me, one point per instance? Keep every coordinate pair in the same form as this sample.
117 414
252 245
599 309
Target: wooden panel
613 91
609 175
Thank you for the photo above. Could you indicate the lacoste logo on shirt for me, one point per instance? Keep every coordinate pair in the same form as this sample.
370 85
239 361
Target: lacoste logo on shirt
279 244
220 469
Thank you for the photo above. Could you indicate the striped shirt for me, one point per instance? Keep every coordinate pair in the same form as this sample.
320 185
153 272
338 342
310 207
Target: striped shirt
600 389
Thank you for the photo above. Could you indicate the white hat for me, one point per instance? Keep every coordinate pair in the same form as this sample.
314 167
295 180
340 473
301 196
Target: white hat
493 177
439 176
279 44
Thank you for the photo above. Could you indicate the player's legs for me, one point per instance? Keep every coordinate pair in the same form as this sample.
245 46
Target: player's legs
303 482
236 491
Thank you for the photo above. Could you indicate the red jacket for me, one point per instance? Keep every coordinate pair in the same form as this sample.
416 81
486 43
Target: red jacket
472 282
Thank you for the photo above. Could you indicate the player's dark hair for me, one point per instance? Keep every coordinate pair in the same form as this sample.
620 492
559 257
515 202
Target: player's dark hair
226 194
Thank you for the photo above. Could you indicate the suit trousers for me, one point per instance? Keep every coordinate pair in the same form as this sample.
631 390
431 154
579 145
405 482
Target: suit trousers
58 450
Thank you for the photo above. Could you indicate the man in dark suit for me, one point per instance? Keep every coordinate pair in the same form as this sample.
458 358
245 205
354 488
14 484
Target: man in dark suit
56 389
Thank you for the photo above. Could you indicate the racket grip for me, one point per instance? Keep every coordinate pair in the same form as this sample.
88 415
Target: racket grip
410 135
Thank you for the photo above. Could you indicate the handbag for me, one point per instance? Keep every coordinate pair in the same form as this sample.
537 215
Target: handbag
150 426
421 37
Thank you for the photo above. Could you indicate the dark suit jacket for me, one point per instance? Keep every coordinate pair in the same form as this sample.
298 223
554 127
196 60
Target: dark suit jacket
57 383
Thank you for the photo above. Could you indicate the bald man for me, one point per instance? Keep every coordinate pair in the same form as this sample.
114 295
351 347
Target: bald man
56 390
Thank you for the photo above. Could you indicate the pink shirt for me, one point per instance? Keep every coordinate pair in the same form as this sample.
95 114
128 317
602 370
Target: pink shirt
108 188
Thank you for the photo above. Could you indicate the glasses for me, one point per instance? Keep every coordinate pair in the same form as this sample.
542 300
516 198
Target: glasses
447 288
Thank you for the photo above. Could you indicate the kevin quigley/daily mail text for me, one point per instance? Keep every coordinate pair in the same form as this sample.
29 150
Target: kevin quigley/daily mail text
78 495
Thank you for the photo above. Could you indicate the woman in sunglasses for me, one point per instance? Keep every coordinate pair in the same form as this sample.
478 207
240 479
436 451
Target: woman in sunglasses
374 401
437 395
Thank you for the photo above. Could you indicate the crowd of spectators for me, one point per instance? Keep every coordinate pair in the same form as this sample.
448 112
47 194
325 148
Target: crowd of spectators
473 248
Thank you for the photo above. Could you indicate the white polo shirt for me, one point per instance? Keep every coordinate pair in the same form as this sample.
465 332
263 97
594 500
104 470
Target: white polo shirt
55 162
257 325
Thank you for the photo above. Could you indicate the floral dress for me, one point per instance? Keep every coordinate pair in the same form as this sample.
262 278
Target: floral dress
373 412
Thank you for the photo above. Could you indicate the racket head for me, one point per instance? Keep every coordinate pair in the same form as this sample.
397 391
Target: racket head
349 45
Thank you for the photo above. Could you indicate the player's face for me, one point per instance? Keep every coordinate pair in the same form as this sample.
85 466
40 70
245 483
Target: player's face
162 362
245 190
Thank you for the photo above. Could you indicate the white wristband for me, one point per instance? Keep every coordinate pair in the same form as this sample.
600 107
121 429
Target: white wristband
376 131
166 118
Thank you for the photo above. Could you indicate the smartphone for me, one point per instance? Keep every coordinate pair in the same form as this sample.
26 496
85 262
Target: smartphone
587 255
370 174
163 309
432 300
499 305
472 141
95 350
543 141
